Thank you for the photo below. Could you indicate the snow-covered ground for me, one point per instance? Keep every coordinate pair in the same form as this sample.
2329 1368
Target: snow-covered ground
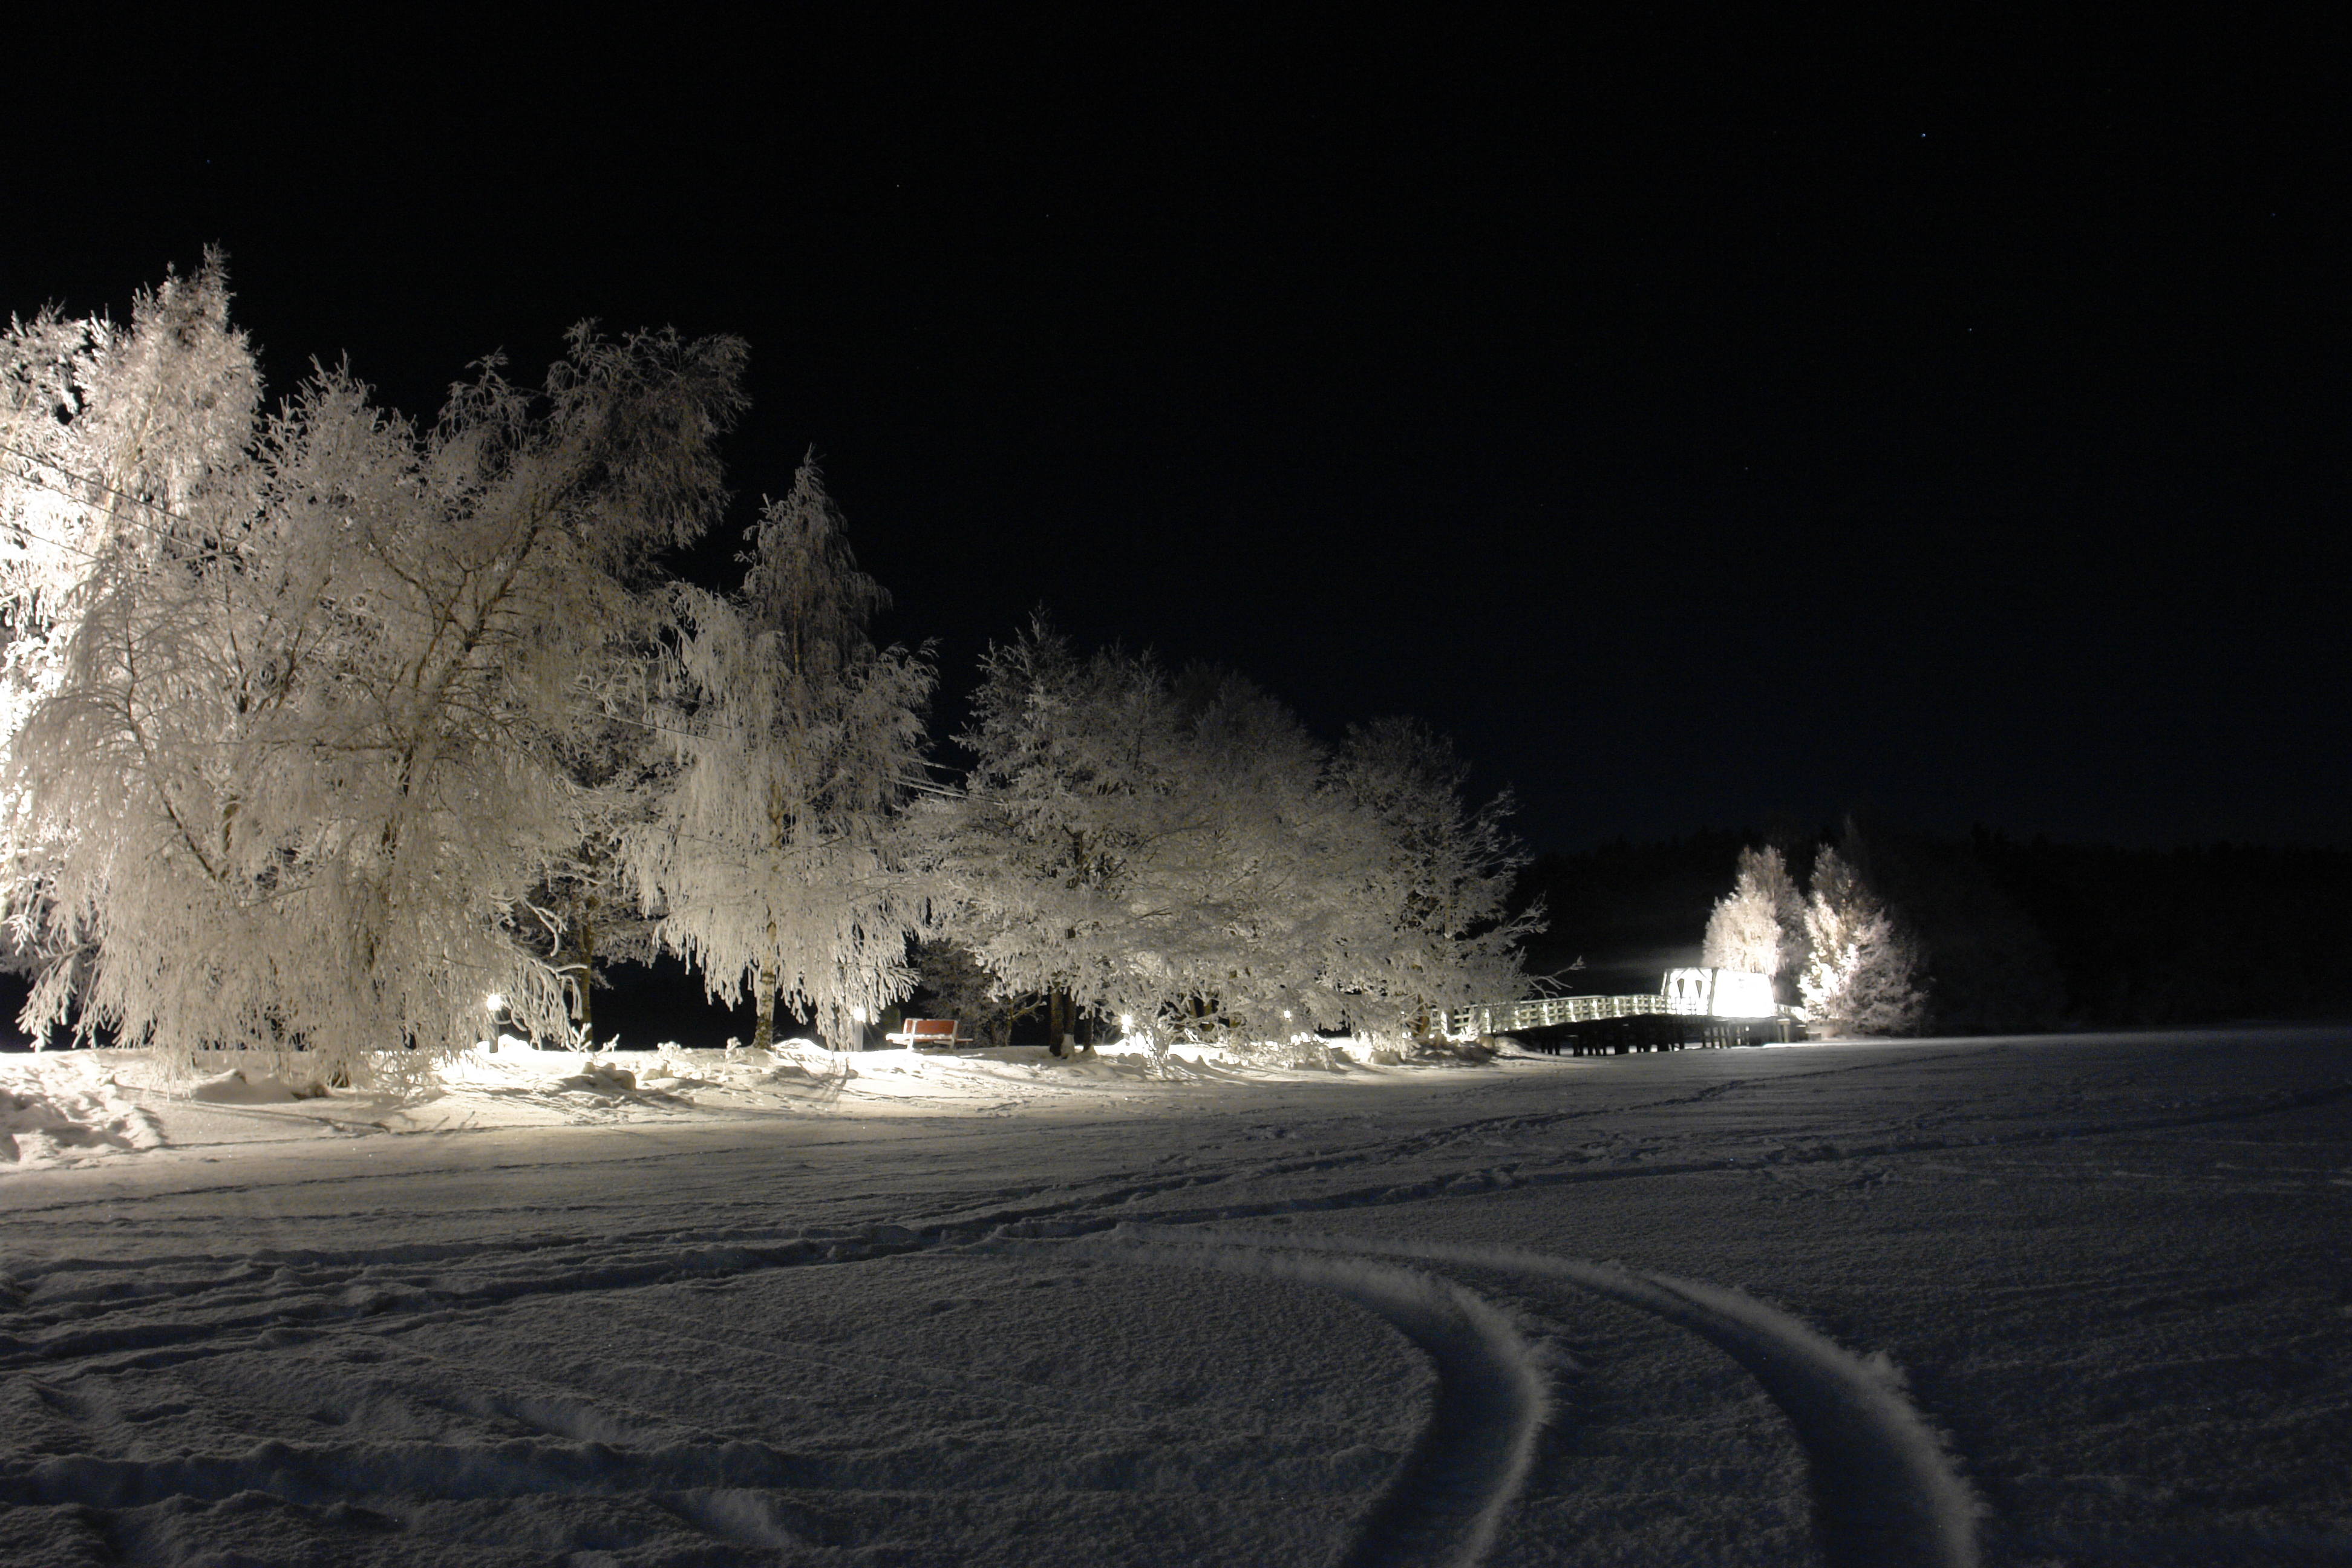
2083 1300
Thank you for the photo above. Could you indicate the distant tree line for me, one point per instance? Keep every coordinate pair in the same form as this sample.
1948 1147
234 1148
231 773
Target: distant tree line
2008 934
328 732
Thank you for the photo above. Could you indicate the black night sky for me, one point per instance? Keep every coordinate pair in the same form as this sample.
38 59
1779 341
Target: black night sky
1709 424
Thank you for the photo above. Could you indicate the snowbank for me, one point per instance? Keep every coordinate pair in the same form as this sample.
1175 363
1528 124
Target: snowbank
73 1106
239 1087
38 1129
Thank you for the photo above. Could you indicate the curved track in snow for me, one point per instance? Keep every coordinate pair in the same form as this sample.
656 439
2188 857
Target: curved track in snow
1443 1507
1885 1493
1883 1487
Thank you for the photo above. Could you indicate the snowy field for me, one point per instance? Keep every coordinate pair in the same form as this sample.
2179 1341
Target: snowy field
2066 1301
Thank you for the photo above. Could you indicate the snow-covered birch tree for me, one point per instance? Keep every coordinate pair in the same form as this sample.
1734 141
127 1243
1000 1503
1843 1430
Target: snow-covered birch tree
1862 977
125 456
586 903
288 692
120 447
797 742
1182 854
1034 864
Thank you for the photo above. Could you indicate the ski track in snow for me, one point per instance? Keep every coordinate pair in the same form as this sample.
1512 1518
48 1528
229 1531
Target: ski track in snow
1884 1494
1445 1504
1885 1491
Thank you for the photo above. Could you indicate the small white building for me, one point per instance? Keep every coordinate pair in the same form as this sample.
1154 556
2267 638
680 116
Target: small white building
1719 993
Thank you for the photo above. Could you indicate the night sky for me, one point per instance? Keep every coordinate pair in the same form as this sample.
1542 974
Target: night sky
1709 426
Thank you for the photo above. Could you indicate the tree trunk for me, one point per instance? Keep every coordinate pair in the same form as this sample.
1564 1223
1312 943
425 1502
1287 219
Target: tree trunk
586 957
763 1033
1058 1018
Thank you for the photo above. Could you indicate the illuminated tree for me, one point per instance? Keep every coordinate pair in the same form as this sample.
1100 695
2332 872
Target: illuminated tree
1758 927
1862 977
1427 881
288 695
797 743
1182 854
1039 865
122 450
1742 933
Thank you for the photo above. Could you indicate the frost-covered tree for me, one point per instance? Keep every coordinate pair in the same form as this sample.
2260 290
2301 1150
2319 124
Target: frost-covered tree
1789 911
289 693
1429 880
1758 927
1862 977
1182 854
1742 933
586 904
1241 870
123 449
797 743
1036 865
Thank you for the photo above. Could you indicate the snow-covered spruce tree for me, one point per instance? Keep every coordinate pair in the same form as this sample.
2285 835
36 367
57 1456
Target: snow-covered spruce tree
797 742
1789 911
1741 932
1428 878
290 691
1862 977
1746 931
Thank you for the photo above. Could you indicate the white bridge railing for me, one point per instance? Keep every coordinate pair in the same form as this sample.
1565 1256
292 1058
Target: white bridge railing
1689 993
1503 1017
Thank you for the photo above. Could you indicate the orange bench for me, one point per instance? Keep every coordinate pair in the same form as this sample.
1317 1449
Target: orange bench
932 1034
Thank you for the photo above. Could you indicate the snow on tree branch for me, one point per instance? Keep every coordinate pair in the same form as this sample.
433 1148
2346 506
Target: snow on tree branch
287 693
1181 853
1862 977
775 853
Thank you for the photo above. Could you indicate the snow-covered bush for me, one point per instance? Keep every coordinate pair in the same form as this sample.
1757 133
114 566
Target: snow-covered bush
1299 1053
